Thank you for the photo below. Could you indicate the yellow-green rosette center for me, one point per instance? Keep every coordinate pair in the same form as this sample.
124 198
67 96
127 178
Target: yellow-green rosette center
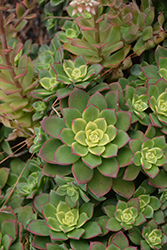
69 219
127 216
140 105
154 238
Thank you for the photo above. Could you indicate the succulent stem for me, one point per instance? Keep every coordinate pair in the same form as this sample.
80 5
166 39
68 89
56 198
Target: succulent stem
5 47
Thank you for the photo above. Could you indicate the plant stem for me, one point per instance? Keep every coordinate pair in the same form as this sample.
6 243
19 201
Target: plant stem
6 55
96 25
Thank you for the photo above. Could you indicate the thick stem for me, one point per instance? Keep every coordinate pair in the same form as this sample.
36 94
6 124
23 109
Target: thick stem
96 25
5 47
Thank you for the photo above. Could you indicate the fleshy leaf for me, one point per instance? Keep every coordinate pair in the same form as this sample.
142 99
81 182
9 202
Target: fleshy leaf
92 229
123 188
78 99
109 167
91 113
38 227
52 125
76 233
123 120
92 161
98 100
100 184
71 114
64 156
121 139
48 149
78 168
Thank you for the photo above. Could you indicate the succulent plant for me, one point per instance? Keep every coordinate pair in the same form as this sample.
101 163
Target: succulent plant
70 30
163 198
62 222
124 24
150 154
148 203
119 241
75 74
154 238
137 102
48 55
88 137
68 187
124 215
10 230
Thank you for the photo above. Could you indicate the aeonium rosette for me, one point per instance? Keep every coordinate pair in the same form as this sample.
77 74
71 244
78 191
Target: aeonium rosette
61 222
124 215
88 136
150 154
154 237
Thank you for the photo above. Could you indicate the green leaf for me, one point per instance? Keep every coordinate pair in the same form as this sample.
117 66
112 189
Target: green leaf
48 149
58 235
117 57
38 227
154 202
135 236
78 168
92 229
159 216
25 214
151 71
91 160
53 170
78 125
79 244
109 115
16 245
123 188
97 246
148 212
48 210
120 240
98 100
66 135
123 120
137 158
140 219
53 125
112 100
6 241
91 113
71 114
124 156
79 149
53 224
76 233
64 156
40 200
9 227
159 181
159 141
109 167
41 242
121 139
100 184
61 93
113 225
4 173
98 150
135 145
131 172
110 150
147 33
